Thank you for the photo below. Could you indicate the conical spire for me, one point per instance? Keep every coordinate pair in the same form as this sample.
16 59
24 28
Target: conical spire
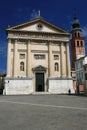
75 23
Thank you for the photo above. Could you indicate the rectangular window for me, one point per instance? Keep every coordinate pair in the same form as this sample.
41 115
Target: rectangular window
38 56
82 75
81 64
86 76
22 56
56 57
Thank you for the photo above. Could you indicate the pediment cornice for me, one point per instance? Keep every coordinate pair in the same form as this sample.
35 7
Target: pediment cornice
19 28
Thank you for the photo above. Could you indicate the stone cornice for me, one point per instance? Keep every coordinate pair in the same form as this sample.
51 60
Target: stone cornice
37 20
37 32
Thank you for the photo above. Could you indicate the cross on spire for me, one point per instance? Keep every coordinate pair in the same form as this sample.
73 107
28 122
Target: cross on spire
38 13
75 14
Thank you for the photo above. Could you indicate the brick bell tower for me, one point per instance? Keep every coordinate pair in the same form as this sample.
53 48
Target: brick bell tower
76 42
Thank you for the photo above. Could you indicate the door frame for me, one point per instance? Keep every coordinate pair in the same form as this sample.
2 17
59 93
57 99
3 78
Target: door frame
43 82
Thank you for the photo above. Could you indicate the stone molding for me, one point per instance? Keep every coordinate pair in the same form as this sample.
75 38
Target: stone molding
22 50
18 78
39 51
56 52
59 78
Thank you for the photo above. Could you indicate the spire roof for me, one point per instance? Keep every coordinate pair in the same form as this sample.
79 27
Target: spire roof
75 24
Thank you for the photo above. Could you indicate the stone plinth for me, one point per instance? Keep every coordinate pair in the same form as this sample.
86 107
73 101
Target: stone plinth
18 86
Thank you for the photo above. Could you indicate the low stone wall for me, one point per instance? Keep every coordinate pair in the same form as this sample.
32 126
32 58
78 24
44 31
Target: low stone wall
18 86
61 85
22 86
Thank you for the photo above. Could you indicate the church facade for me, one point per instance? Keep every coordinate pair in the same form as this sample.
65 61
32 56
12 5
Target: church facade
38 59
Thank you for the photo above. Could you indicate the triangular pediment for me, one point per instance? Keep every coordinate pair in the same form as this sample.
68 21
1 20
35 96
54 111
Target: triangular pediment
38 25
39 68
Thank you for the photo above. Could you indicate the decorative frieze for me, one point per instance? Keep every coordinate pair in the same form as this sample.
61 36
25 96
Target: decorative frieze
56 52
37 36
39 51
22 50
19 50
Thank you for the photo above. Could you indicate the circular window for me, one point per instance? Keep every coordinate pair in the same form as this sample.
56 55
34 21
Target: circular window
39 26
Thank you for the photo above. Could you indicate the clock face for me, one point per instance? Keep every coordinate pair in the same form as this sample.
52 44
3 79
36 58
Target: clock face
39 26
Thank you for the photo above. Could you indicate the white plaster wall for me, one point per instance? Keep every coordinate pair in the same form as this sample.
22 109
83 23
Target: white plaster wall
60 86
17 87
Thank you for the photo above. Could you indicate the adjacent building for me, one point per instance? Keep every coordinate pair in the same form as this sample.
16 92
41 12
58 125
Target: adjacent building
2 82
80 75
77 45
38 58
85 73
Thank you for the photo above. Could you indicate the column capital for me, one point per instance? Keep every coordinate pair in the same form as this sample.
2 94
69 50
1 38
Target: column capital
9 40
28 41
16 40
62 43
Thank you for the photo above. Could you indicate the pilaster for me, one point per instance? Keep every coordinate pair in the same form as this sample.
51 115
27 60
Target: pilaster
28 58
49 59
61 60
68 60
15 59
9 59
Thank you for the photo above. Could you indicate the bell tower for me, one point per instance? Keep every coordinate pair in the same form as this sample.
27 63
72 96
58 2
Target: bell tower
77 42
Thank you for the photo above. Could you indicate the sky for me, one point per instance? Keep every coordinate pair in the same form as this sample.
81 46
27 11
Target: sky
58 12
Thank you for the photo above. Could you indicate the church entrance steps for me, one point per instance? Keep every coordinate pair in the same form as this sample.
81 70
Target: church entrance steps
40 93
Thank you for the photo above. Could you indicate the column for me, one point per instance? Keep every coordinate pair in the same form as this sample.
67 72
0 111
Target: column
49 59
9 58
68 60
28 58
15 56
61 59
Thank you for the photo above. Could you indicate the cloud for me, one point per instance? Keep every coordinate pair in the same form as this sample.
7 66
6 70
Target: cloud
84 31
3 49
84 34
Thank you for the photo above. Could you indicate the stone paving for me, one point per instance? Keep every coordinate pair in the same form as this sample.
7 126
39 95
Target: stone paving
43 112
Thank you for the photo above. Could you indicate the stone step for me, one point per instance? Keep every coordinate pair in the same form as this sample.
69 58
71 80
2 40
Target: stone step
40 93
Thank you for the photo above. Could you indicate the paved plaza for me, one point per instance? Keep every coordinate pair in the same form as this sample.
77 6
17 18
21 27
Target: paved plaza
43 112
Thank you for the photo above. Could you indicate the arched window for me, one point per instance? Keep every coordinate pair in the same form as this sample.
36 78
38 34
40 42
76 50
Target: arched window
77 43
75 34
56 67
78 34
21 66
81 43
